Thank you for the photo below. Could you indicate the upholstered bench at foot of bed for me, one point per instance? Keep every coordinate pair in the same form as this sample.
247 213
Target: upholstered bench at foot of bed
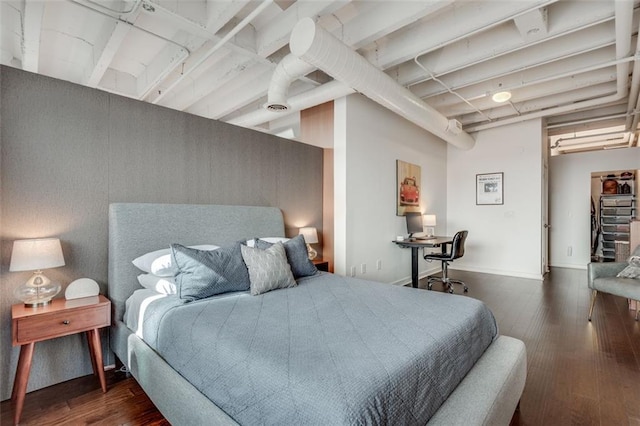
490 393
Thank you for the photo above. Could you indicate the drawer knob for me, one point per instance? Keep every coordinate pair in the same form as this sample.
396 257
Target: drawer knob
66 322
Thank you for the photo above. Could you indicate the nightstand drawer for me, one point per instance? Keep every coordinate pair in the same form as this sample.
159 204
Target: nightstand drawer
56 324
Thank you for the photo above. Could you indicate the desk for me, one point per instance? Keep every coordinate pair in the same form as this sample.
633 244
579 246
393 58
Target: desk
415 245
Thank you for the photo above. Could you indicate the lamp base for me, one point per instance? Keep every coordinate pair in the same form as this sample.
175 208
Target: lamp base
37 304
38 291
312 253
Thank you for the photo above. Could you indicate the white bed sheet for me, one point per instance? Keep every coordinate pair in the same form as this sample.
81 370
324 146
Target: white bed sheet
136 306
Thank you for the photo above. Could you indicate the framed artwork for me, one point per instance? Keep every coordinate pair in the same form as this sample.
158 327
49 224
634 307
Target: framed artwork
489 189
408 187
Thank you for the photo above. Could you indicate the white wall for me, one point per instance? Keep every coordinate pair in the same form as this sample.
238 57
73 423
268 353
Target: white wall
368 141
570 205
503 239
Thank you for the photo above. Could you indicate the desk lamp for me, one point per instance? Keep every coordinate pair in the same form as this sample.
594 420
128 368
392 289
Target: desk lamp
310 235
35 255
430 223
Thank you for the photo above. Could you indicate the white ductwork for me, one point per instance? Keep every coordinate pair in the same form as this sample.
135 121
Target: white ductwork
325 93
289 69
319 48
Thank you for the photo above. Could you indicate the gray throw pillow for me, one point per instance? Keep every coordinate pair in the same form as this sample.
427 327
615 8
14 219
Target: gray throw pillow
205 273
268 269
634 260
297 256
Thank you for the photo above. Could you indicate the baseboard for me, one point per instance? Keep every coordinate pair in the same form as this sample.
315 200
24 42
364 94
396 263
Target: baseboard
568 265
406 281
507 273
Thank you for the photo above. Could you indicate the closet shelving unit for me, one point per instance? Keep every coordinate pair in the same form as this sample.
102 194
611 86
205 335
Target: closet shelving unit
616 212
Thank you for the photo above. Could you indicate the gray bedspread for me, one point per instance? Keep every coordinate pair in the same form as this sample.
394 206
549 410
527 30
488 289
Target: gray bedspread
331 351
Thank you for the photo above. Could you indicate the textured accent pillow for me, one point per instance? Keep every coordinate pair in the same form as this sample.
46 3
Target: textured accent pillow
162 285
632 270
272 240
268 269
205 273
297 255
634 261
159 262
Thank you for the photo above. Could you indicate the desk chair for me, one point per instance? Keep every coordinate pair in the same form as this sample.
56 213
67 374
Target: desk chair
457 251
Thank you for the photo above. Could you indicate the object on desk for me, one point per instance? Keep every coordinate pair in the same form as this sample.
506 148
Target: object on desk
429 221
400 238
35 255
414 223
310 235
82 287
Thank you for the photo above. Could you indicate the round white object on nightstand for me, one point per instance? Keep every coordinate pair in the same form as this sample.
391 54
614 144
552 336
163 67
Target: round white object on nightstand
82 287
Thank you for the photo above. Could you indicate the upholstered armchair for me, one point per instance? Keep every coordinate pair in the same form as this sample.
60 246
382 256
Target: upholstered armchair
603 277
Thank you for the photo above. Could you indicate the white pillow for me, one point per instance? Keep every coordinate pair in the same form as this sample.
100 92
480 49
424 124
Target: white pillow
162 285
159 262
272 240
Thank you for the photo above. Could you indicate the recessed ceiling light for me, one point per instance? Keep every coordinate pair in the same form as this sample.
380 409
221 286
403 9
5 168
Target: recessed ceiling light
501 97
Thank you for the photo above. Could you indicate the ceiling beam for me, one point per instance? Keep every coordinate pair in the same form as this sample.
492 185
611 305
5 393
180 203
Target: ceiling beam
591 59
219 13
235 94
105 50
557 49
464 20
32 28
275 35
566 98
167 60
452 106
376 20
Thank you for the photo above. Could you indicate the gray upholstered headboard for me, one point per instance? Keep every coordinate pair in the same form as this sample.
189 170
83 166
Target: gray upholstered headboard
138 228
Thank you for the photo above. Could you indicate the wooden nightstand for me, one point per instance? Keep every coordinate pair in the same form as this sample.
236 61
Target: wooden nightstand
59 318
321 264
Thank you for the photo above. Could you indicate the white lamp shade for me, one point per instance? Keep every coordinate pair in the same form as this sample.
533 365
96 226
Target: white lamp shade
32 255
310 234
429 220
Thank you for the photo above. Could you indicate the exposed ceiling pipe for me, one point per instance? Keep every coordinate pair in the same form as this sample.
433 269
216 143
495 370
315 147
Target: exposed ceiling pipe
325 93
443 84
623 25
586 121
318 47
289 69
250 17
622 135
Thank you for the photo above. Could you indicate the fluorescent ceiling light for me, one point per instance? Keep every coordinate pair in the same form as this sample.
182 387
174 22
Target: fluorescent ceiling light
501 97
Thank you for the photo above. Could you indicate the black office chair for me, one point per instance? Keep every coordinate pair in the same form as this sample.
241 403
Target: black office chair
457 251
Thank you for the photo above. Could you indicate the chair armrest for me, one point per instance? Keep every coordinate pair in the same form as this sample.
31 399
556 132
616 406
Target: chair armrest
604 270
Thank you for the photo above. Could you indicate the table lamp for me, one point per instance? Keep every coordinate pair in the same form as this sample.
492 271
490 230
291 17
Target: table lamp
429 221
35 255
310 235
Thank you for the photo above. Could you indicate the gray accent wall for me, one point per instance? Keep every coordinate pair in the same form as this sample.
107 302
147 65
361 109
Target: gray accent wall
67 151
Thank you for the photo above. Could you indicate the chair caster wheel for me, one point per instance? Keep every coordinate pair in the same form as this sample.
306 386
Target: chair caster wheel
451 291
466 289
429 287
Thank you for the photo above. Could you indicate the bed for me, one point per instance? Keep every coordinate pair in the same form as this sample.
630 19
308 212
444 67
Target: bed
487 393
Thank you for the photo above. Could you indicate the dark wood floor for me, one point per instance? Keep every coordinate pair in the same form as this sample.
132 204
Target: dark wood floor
579 373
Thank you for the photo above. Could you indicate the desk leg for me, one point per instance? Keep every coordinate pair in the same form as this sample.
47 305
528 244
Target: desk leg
96 356
21 379
414 267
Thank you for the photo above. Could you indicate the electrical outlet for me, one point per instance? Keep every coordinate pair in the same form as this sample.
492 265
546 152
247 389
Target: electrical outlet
363 268
569 251
353 271
379 264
